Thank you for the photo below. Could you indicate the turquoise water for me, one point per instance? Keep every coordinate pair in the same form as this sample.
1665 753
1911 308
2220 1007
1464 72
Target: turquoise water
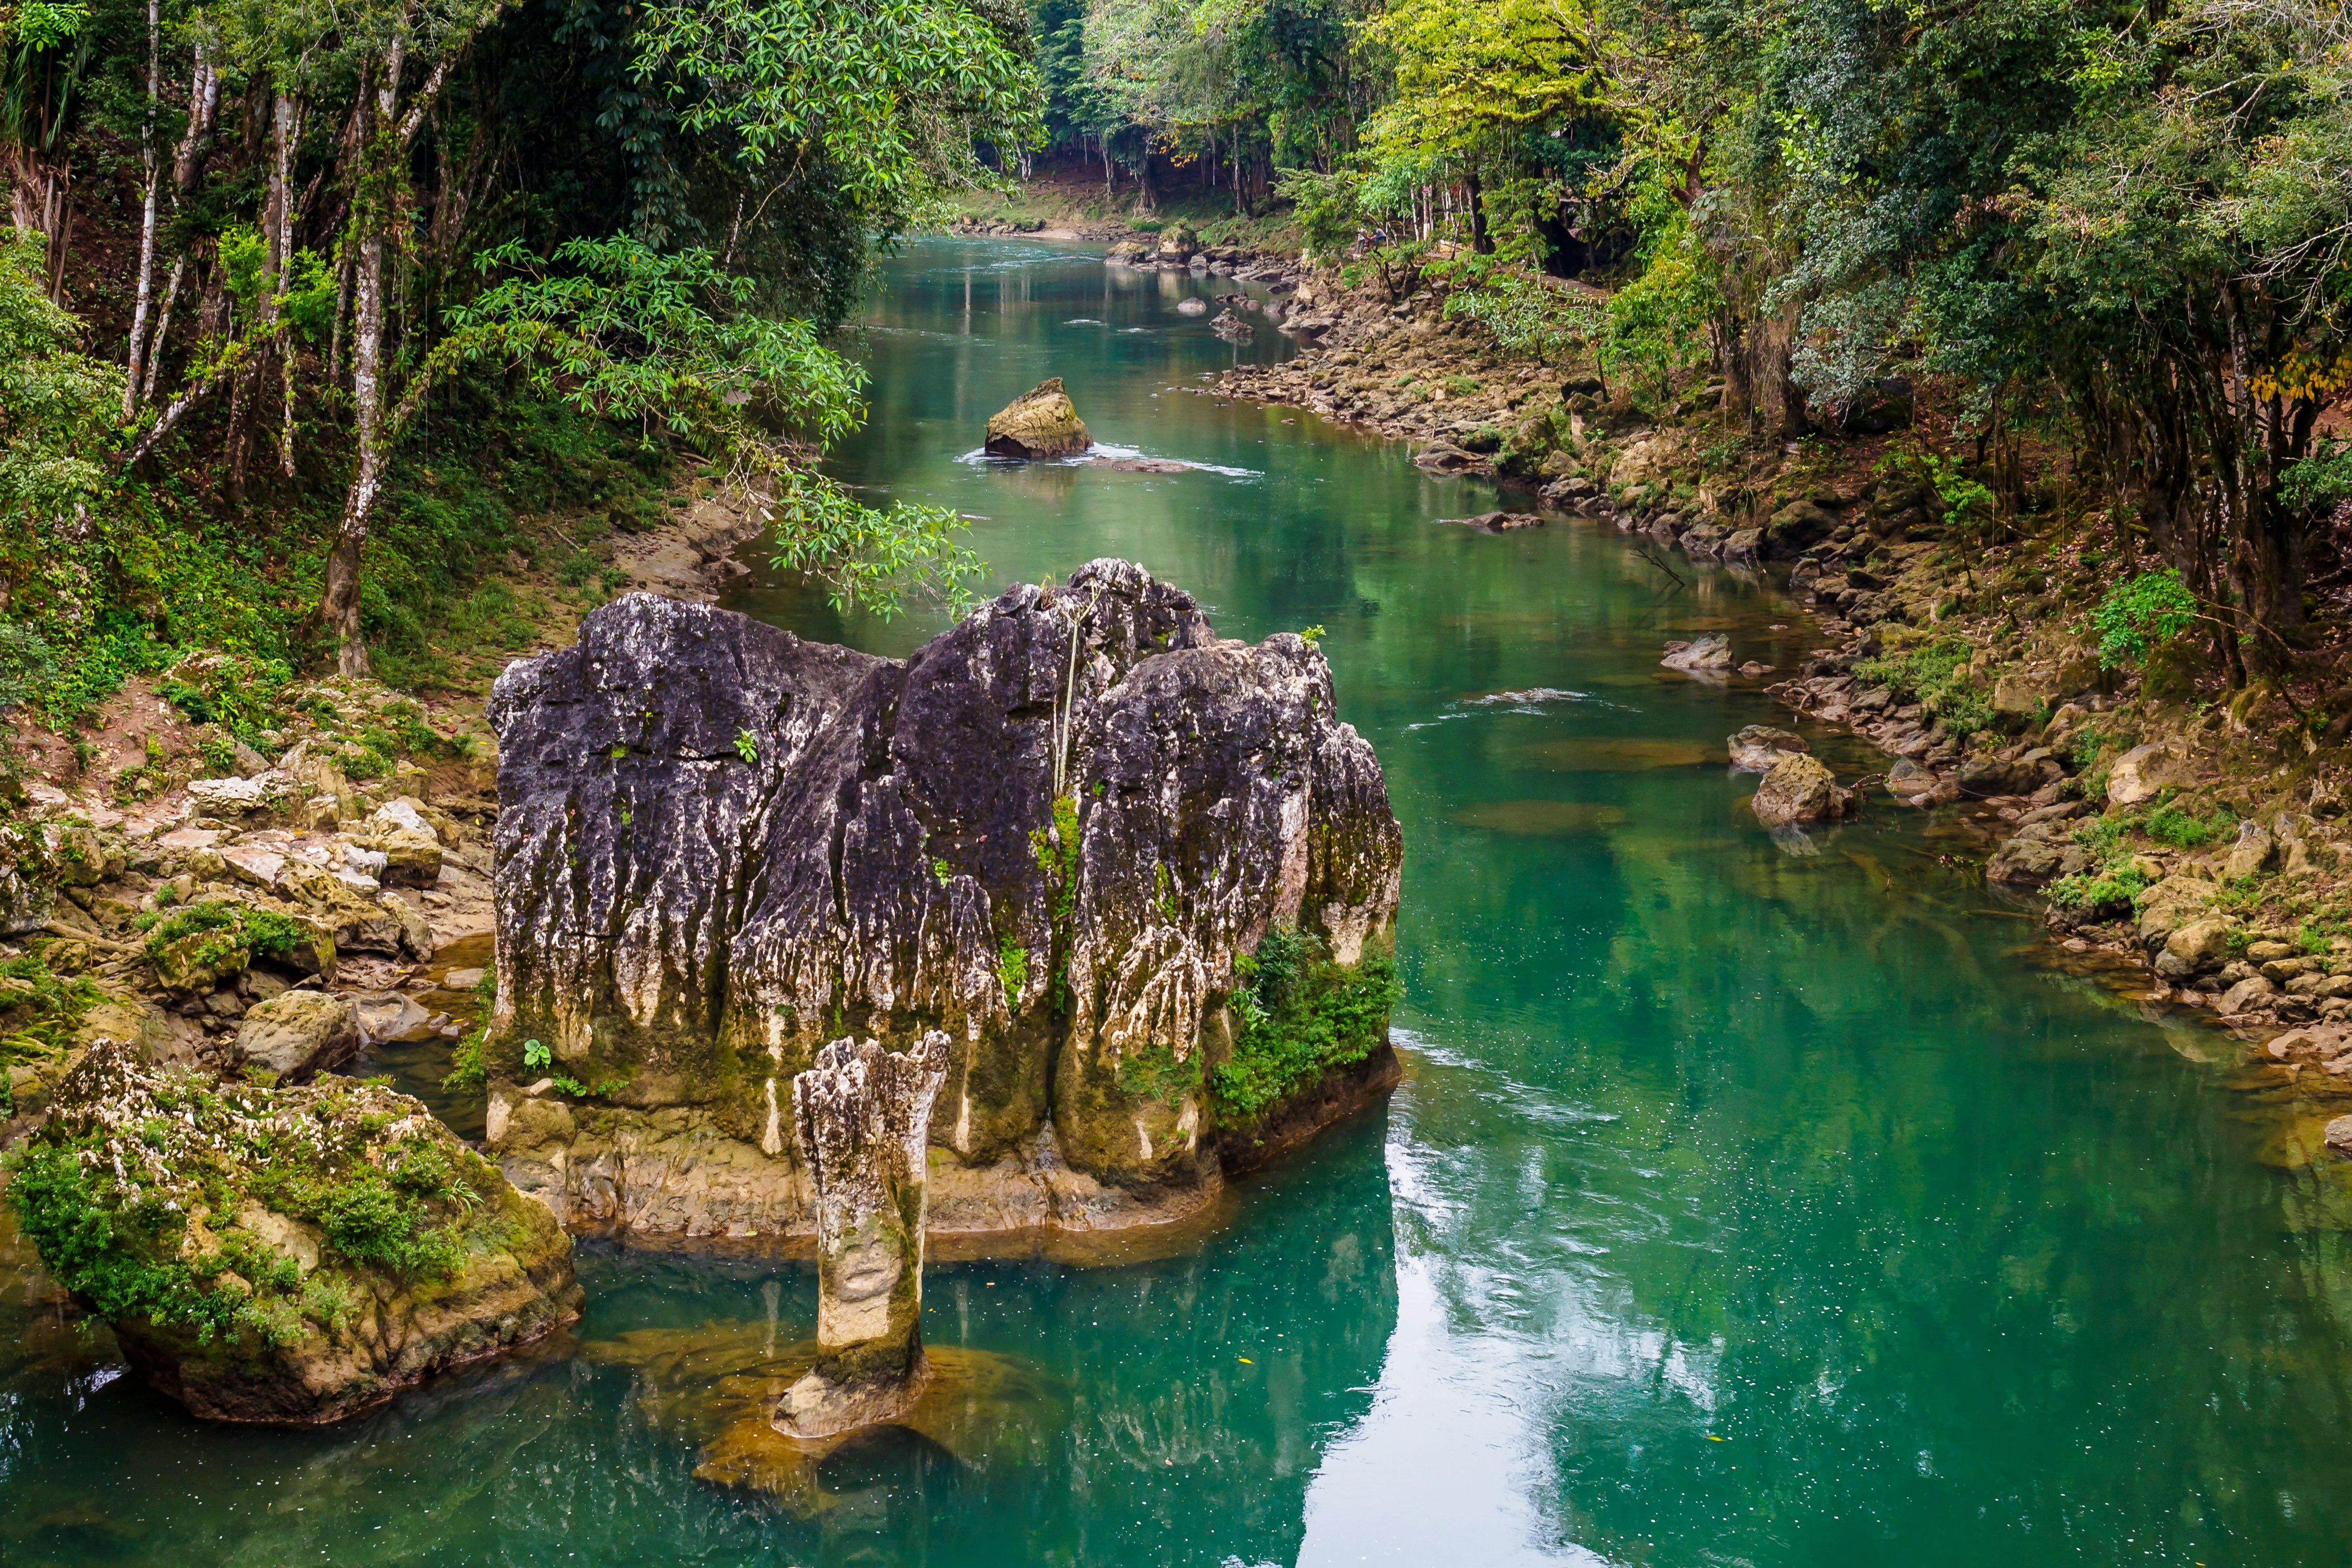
1741 1206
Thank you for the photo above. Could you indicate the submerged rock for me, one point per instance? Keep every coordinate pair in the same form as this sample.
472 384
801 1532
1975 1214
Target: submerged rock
282 1255
1055 833
1498 522
1800 789
1758 748
863 1117
1040 423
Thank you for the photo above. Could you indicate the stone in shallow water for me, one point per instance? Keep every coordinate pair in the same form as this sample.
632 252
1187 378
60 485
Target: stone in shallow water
716 1386
1041 423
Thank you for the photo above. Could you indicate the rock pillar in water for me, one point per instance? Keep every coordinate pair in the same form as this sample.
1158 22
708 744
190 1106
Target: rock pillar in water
863 1115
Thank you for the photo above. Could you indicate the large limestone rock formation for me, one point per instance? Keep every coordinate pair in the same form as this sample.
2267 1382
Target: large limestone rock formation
863 1117
1054 833
1041 423
282 1255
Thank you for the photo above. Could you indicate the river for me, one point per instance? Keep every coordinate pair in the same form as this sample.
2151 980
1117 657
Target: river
1744 1203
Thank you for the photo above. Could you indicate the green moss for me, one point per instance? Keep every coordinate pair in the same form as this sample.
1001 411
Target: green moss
468 1064
133 1203
1154 1073
2168 824
228 928
1301 1016
1056 850
40 1011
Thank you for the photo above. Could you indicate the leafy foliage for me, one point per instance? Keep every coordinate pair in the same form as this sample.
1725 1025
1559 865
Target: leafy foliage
1300 1016
2136 618
137 1192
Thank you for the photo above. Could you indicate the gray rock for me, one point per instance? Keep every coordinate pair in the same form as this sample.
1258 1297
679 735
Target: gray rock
1742 548
1758 747
1050 833
1040 423
2246 994
299 1033
2200 946
2253 854
1800 789
2026 863
862 1116
388 1015
2338 1136
2146 771
1712 652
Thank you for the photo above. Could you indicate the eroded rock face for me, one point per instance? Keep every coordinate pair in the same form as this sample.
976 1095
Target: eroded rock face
1041 423
282 1255
862 1118
1048 834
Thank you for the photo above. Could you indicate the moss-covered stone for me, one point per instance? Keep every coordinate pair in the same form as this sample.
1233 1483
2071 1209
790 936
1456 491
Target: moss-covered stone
281 1255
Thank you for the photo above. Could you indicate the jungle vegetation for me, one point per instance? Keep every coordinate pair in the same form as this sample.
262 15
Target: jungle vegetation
301 299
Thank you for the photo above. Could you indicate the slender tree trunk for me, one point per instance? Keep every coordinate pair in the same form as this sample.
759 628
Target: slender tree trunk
286 130
147 216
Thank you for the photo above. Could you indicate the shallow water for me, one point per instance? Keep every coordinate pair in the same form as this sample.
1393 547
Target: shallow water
1741 1205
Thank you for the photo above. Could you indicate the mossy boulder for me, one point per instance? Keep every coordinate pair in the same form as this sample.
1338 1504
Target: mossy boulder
281 1255
1041 423
196 947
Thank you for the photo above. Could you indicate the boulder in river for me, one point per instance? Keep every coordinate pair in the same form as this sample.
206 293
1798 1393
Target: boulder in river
282 1255
1800 789
1142 878
1712 652
1041 423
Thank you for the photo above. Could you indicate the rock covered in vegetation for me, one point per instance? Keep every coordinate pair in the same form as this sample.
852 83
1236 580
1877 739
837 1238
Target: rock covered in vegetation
862 1118
1040 423
1058 833
282 1255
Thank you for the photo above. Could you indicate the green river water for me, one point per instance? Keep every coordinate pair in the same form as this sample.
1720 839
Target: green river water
1741 1205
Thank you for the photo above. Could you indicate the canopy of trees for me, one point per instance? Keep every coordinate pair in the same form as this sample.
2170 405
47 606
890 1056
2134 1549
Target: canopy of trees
255 239
2124 232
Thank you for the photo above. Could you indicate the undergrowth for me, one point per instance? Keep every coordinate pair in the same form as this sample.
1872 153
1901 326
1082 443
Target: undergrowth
1300 1015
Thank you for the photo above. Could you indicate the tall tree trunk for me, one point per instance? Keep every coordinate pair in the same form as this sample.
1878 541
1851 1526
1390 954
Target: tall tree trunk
386 134
147 216
1480 240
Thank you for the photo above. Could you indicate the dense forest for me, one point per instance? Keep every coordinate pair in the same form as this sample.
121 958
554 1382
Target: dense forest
281 273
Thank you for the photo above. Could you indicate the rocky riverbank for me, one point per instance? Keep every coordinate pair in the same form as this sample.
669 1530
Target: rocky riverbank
2199 835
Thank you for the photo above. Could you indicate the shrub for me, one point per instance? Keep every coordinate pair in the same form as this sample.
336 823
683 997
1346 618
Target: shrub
2137 618
1936 674
1300 1017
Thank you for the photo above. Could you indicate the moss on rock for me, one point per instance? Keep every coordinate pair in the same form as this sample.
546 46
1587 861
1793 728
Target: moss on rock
284 1255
